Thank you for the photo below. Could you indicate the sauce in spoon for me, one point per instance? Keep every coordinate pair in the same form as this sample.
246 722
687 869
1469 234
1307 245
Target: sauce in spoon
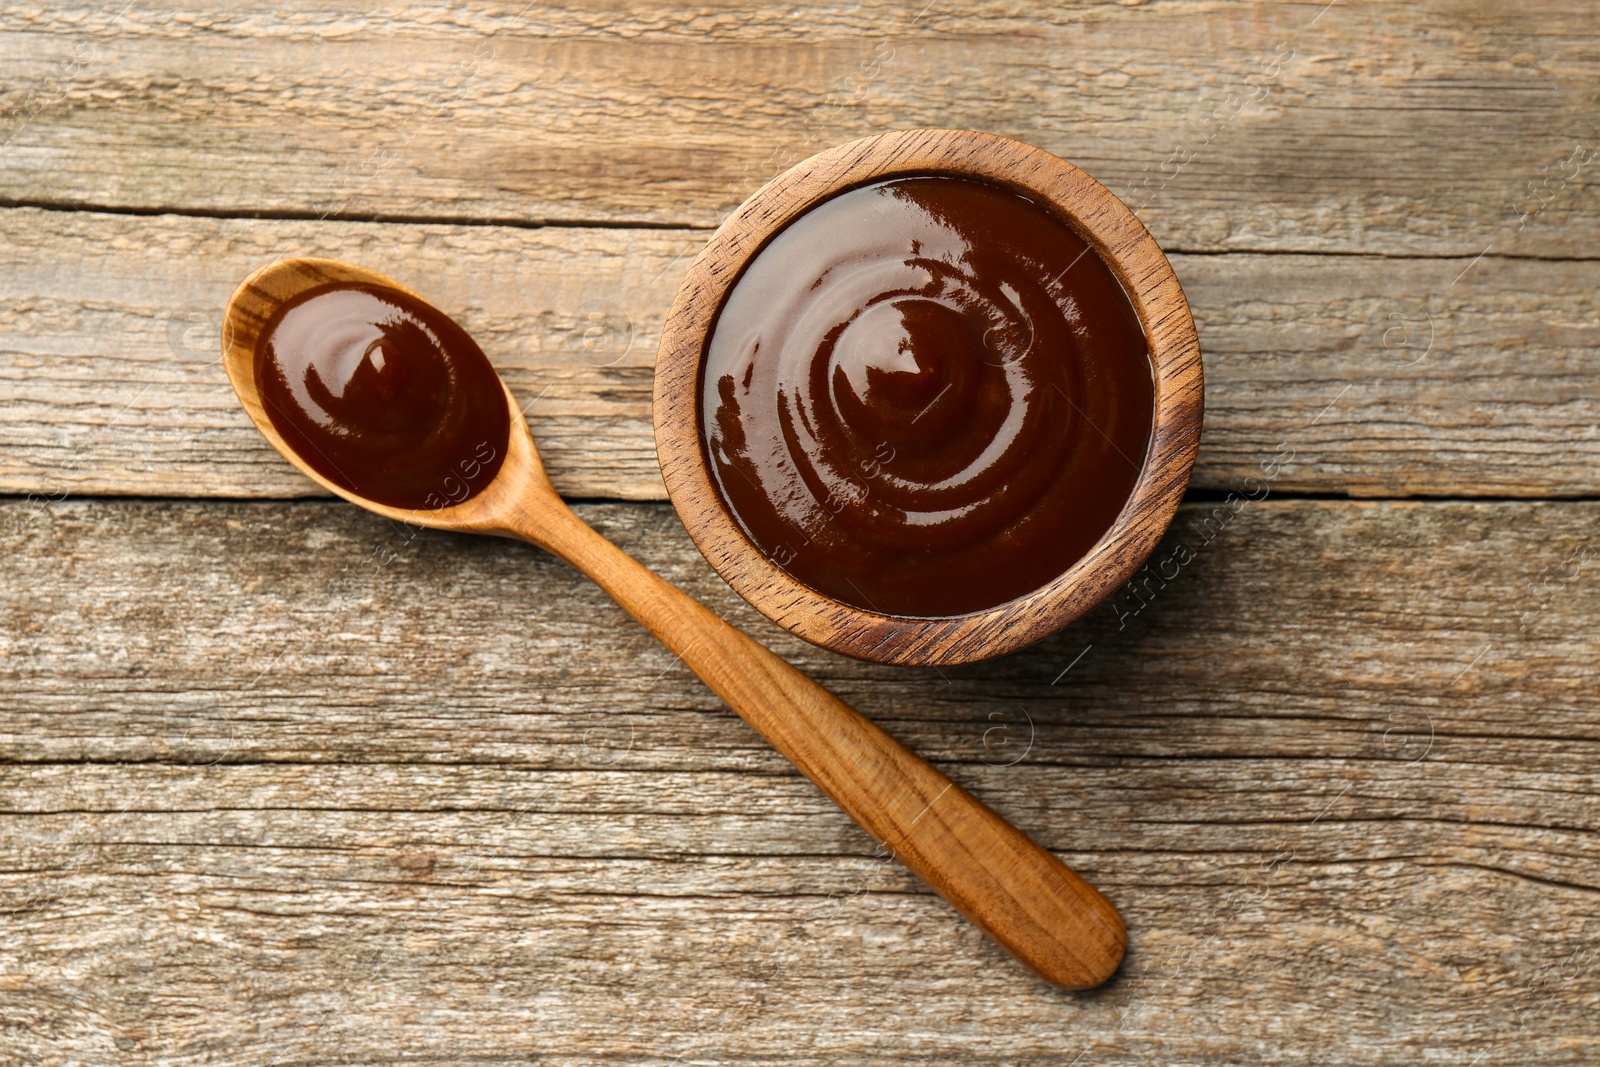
383 395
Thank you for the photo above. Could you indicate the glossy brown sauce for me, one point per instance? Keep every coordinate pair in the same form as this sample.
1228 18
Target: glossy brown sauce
926 397
383 395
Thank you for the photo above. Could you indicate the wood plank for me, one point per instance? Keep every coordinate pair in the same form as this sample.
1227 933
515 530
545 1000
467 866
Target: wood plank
1431 128
110 358
1339 773
357 914
1342 374
315 632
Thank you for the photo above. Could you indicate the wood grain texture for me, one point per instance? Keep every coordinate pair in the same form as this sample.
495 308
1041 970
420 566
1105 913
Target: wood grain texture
1108 229
1340 772
282 784
1426 128
112 327
309 632
1341 373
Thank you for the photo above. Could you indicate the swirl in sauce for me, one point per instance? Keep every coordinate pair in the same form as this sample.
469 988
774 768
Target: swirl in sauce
383 395
926 397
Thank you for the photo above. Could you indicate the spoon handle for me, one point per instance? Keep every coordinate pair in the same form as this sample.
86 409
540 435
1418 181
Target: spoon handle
1025 898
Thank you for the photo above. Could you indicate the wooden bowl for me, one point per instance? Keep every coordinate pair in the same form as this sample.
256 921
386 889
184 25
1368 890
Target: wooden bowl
1127 249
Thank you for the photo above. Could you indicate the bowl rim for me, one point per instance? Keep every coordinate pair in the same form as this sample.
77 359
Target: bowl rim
1123 244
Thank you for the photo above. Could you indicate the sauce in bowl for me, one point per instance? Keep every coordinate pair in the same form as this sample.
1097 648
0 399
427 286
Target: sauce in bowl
383 395
926 397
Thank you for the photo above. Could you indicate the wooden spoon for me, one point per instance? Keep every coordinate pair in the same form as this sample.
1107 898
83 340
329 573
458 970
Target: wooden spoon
1022 896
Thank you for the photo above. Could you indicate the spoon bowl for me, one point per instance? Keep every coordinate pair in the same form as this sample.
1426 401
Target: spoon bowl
1025 898
249 310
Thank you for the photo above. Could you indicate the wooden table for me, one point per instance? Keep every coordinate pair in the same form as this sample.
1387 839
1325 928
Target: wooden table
284 784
